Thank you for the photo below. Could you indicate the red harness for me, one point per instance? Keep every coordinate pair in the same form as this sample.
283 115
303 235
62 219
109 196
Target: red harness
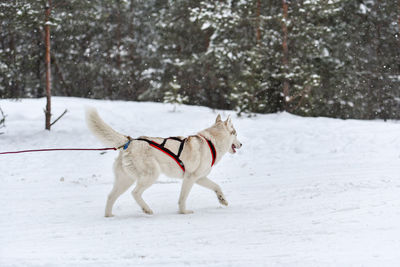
175 157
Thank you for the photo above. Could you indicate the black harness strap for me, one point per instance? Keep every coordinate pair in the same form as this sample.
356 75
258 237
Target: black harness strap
166 150
181 148
163 142
182 141
213 152
175 138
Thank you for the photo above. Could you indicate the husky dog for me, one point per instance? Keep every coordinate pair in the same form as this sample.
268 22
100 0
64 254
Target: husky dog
143 159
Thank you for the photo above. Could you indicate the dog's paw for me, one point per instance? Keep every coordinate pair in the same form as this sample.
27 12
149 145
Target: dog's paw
109 215
222 200
147 211
186 211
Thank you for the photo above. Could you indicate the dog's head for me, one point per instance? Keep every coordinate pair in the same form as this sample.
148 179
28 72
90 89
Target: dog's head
230 133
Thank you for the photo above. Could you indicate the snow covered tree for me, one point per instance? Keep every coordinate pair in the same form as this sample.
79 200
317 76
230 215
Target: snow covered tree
308 44
375 50
232 54
332 58
359 70
20 49
173 96
180 44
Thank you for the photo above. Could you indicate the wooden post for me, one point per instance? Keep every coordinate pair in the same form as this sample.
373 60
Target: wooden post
258 37
285 58
47 63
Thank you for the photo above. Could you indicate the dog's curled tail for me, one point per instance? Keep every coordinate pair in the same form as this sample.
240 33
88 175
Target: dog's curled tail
102 131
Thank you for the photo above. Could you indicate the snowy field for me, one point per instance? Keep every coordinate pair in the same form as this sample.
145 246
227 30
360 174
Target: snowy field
301 192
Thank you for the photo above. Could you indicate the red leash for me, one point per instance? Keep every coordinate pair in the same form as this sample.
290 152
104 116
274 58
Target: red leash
59 149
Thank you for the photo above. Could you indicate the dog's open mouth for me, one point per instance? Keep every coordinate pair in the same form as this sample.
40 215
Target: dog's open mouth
233 148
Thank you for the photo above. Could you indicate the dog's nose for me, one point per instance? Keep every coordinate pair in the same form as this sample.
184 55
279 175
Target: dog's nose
240 145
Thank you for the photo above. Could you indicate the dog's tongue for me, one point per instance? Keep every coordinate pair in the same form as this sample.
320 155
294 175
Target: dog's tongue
233 148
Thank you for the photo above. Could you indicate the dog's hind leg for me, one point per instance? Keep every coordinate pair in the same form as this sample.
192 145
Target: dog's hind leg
207 183
145 180
137 195
121 183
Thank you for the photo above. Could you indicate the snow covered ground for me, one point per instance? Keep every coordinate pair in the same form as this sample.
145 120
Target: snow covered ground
301 192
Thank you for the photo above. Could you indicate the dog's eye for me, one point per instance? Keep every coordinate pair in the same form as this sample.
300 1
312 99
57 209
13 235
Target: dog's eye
233 132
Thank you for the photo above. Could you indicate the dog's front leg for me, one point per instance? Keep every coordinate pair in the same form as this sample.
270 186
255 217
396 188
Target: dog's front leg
187 185
207 183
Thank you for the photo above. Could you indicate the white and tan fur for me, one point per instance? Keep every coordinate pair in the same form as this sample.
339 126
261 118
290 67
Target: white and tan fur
143 164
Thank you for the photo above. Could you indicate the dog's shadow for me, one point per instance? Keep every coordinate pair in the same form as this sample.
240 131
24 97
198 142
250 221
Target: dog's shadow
165 215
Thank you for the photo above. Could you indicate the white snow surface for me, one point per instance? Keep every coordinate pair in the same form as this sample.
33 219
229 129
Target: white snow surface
301 192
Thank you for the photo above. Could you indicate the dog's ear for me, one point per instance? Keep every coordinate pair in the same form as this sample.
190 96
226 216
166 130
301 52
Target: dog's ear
218 119
228 120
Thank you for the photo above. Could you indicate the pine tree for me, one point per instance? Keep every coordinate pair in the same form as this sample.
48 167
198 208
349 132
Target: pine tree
173 96
232 55
20 46
180 44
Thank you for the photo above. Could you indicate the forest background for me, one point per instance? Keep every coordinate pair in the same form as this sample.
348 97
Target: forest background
335 58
